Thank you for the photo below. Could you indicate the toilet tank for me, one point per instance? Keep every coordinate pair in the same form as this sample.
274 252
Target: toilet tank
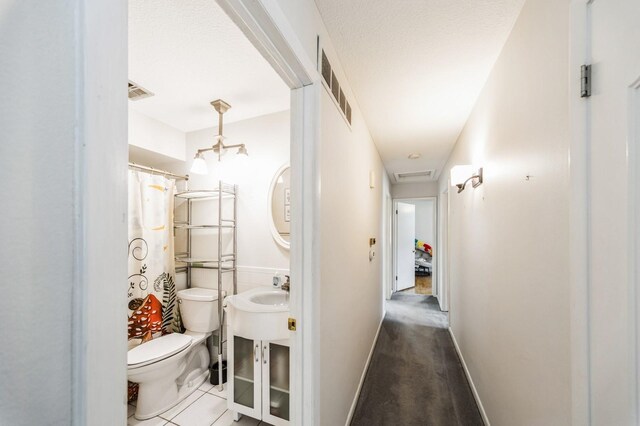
199 309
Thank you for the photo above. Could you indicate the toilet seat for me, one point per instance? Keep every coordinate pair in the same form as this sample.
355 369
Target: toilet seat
157 349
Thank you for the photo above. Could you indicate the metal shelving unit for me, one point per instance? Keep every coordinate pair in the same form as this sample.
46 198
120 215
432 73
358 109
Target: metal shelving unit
224 263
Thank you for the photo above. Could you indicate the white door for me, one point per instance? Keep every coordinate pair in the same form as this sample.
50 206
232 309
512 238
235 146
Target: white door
405 246
613 126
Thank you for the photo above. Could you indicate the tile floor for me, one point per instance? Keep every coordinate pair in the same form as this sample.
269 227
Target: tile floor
206 406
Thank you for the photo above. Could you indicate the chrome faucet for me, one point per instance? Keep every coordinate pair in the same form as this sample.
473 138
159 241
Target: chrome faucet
287 283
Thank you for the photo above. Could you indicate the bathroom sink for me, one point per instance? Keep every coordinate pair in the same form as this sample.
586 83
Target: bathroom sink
273 298
259 314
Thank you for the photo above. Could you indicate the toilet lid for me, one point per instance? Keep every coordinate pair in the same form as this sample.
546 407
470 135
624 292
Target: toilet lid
157 349
198 294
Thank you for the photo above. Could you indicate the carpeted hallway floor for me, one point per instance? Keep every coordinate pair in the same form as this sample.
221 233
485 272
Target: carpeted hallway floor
415 376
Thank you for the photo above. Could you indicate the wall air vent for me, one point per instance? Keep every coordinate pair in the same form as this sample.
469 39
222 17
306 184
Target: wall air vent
138 92
333 86
421 176
326 69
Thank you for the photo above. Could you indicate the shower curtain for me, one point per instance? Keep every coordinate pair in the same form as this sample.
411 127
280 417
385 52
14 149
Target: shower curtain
151 285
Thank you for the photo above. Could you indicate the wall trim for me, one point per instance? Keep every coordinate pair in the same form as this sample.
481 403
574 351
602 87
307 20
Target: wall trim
352 410
476 396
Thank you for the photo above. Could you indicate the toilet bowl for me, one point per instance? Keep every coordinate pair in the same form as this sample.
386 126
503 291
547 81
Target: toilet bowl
169 368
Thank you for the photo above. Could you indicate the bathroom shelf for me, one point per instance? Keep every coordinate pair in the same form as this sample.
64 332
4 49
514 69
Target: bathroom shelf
226 191
222 259
185 226
180 269
204 262
224 262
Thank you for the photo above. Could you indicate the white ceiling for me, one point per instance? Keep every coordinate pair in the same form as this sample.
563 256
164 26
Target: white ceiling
189 53
417 68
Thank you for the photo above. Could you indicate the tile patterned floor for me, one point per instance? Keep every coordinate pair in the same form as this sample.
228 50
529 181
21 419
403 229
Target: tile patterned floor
204 407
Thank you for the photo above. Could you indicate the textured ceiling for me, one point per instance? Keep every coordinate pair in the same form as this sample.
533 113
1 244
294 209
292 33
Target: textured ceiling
189 53
417 67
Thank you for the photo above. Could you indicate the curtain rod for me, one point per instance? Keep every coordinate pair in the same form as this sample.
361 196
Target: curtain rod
157 171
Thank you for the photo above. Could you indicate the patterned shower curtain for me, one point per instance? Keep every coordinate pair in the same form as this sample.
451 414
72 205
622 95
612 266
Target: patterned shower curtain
151 285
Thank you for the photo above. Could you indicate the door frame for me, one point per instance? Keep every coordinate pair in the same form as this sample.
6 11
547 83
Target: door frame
267 28
579 214
444 284
388 250
96 383
394 227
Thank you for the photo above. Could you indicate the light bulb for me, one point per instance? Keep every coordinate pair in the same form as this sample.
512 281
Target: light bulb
199 166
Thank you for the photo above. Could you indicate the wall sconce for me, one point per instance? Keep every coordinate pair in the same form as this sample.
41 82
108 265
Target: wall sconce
461 175
199 166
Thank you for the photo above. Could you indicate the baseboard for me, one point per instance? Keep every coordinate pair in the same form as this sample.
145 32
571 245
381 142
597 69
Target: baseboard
473 386
364 373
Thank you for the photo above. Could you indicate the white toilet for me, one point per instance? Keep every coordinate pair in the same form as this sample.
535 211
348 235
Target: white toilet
171 367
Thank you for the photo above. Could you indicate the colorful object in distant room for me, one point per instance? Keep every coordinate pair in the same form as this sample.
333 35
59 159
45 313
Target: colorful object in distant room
421 245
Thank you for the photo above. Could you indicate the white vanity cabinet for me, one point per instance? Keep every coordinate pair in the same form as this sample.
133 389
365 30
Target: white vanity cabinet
258 379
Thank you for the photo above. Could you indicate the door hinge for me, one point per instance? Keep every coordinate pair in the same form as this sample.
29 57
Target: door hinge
585 81
292 324
396 278
396 211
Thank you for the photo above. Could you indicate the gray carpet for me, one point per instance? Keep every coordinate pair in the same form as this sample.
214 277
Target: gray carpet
415 376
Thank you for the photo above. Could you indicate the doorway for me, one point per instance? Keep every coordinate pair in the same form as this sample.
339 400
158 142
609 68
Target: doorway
102 397
414 251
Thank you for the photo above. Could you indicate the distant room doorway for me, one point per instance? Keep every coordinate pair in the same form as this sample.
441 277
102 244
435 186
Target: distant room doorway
414 246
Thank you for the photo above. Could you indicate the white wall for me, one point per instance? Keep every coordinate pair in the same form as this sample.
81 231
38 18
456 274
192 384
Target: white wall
267 139
38 161
351 213
509 241
414 190
63 165
425 221
153 135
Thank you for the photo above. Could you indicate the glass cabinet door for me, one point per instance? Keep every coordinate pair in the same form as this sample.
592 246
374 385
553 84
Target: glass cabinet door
245 359
276 377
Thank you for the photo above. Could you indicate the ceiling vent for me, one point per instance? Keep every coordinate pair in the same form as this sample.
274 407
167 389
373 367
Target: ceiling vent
137 92
421 176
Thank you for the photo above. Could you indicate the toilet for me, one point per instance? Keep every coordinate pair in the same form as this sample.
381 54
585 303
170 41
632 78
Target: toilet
169 368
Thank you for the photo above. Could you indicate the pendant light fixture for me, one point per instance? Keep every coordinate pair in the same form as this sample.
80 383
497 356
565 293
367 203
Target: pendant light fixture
199 165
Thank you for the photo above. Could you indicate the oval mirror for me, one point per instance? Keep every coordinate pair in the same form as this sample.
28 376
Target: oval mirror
280 206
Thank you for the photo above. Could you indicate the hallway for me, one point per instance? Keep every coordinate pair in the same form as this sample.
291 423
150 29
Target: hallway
415 376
